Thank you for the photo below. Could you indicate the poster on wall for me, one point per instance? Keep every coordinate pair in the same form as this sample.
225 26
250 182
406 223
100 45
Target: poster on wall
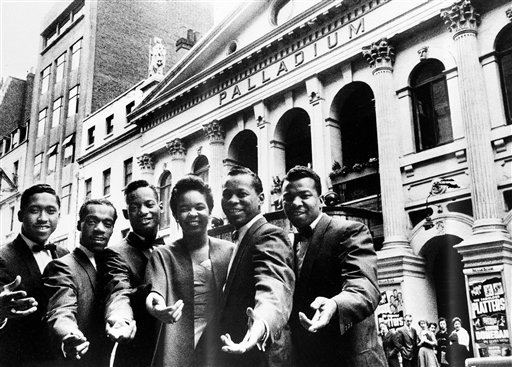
488 313
390 309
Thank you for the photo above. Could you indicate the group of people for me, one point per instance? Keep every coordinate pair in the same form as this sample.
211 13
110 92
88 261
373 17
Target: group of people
267 298
426 347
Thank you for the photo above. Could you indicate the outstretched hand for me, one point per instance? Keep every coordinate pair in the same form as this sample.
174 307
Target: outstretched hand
156 306
325 310
121 330
14 304
255 332
75 345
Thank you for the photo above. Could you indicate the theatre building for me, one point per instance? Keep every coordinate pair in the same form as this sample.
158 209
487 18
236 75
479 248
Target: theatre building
403 108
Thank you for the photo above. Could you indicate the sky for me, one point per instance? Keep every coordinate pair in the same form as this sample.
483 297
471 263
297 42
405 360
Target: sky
20 28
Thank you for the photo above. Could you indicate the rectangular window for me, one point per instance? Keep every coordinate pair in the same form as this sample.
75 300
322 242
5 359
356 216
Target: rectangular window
59 72
73 100
109 125
77 13
129 107
65 199
128 168
76 50
69 149
11 224
57 109
41 123
88 188
38 162
15 139
45 79
50 36
90 135
15 168
52 159
106 182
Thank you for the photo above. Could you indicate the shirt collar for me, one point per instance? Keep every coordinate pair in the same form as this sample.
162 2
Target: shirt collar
315 222
88 253
28 241
243 230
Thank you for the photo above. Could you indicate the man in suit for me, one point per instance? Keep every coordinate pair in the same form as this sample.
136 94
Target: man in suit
23 340
260 278
408 340
122 273
75 307
336 293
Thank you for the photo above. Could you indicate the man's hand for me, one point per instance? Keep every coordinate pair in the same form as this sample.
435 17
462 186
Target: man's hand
121 330
75 345
325 310
13 303
156 306
255 333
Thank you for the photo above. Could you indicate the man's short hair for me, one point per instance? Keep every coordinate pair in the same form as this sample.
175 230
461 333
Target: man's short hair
441 319
455 319
454 338
83 208
137 184
36 189
256 181
190 183
298 172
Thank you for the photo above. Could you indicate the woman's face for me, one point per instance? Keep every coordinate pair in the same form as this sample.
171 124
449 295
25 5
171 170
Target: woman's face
193 212
423 325
432 328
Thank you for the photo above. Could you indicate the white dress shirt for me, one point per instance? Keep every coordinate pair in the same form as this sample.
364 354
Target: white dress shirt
42 257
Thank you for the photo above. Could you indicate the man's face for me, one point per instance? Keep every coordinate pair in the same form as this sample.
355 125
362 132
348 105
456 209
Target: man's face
39 219
442 325
240 202
143 211
408 321
96 227
301 201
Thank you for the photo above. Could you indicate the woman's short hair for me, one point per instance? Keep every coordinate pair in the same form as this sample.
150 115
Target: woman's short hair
432 323
455 319
190 183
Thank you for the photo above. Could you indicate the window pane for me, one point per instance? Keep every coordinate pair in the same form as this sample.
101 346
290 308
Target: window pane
506 77
76 50
45 80
88 188
38 161
128 167
90 135
57 108
68 154
65 199
52 163
59 73
442 112
106 182
73 101
41 123
109 125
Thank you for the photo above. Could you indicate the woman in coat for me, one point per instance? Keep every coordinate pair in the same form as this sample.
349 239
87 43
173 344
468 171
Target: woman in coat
186 279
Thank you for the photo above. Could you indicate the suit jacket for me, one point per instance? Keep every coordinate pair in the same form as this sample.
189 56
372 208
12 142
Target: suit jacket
261 276
170 274
122 269
391 348
16 258
340 263
72 289
408 342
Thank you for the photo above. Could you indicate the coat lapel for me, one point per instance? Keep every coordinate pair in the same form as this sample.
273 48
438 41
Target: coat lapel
313 248
86 264
28 258
219 257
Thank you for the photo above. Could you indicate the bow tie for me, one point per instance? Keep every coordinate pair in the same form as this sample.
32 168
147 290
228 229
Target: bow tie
303 234
47 247
234 235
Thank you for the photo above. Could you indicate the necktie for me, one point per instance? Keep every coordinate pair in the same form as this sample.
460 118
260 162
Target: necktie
300 245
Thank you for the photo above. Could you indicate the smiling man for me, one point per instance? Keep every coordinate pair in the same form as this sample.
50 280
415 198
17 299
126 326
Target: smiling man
23 340
336 291
126 318
75 307
260 282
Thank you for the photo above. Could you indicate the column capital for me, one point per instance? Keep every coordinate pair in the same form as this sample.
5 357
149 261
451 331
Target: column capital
215 131
508 12
461 17
176 149
145 162
380 54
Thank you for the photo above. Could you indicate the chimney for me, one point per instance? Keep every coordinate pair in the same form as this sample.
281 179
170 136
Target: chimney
185 44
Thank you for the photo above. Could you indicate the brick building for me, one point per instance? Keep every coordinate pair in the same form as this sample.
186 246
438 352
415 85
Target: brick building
91 52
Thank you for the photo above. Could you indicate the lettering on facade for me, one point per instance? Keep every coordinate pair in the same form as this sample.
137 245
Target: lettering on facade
307 54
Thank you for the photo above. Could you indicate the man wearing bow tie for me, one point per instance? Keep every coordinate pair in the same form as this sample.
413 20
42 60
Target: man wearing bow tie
23 337
127 320
336 292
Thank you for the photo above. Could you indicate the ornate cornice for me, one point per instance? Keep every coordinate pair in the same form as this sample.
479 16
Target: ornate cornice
176 148
145 162
461 17
380 54
215 131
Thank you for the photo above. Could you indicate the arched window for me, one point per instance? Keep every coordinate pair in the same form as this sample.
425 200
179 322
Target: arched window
504 56
201 167
165 196
432 122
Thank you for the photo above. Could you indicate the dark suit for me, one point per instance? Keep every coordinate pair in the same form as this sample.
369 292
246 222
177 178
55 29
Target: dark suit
74 303
391 348
24 341
261 277
122 271
340 262
408 341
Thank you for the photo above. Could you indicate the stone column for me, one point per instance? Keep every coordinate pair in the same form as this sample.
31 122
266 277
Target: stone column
380 56
334 142
265 161
177 151
462 19
278 156
321 157
146 168
215 132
